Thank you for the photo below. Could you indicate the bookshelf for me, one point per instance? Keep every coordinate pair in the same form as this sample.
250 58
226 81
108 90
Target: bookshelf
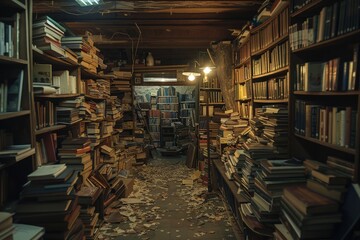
325 92
17 147
242 75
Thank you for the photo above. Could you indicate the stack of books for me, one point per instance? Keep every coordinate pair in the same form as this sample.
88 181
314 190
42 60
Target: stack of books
122 82
89 214
275 121
47 34
18 231
48 200
271 178
75 153
307 214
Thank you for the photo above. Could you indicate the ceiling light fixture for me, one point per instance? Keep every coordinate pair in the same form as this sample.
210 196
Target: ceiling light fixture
192 72
85 3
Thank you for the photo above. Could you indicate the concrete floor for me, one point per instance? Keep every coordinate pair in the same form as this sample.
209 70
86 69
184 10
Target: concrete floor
164 208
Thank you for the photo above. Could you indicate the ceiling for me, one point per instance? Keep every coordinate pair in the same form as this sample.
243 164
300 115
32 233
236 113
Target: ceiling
174 31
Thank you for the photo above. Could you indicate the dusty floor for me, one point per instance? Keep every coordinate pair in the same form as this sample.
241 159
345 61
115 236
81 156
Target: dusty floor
162 207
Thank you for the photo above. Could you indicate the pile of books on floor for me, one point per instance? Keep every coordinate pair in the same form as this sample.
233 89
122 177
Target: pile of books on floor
271 178
48 200
90 200
17 231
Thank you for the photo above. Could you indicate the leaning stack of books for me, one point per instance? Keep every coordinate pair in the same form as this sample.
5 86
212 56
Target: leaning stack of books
307 214
48 200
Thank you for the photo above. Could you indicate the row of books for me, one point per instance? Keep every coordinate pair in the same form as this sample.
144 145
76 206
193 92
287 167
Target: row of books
243 91
242 73
245 110
169 99
165 107
272 89
276 29
9 36
212 97
333 20
212 82
335 125
332 75
271 60
167 91
242 53
11 90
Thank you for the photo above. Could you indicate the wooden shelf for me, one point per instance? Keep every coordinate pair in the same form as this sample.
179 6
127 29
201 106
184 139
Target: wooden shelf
215 103
57 96
220 167
8 115
273 44
314 4
242 63
278 71
347 38
10 60
85 73
210 89
243 100
41 57
14 4
346 93
272 101
329 145
94 98
49 129
14 159
254 225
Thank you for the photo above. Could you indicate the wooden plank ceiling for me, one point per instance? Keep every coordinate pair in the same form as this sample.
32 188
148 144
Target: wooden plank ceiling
174 31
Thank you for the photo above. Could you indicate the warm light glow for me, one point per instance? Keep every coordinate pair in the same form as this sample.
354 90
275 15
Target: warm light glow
207 70
191 77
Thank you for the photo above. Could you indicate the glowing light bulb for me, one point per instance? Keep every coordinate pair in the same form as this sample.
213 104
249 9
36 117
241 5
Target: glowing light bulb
191 77
207 70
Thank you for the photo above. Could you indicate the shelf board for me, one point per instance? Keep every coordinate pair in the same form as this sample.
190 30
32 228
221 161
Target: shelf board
271 101
243 100
306 8
8 115
244 81
77 121
166 96
85 73
41 57
13 159
215 103
210 89
273 44
10 60
346 38
168 103
49 129
242 63
57 96
220 167
329 145
346 93
14 4
278 71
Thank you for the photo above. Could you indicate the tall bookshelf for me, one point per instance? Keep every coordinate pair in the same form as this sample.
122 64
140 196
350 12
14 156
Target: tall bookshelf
15 100
242 75
325 72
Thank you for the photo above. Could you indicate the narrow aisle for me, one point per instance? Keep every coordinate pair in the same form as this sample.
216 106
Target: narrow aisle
161 207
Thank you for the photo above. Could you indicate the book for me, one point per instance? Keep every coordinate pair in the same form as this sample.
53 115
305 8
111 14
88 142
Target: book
13 150
6 220
47 172
337 195
309 202
42 207
25 231
330 176
14 91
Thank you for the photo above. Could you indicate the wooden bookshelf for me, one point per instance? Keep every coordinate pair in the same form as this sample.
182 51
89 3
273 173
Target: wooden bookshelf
336 42
15 116
49 129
